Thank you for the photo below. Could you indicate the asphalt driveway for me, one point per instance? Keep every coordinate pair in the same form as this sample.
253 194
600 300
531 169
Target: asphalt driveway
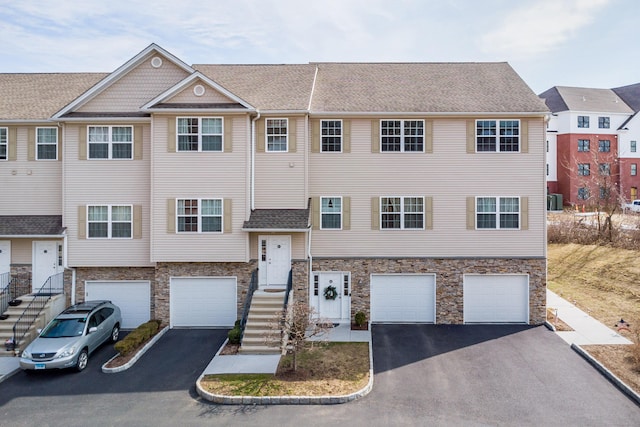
489 375
424 375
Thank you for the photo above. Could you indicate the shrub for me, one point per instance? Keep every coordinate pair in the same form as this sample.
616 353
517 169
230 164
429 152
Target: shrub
235 334
360 318
137 337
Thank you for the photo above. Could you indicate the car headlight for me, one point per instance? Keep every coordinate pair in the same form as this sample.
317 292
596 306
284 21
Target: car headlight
67 352
26 354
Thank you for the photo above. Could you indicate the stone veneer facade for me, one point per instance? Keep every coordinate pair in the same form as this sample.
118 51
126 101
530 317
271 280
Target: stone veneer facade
449 280
164 272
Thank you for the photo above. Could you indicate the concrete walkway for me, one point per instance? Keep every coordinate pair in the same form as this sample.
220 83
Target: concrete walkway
586 329
268 363
8 367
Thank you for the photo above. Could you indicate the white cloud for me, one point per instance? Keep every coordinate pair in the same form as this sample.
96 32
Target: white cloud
540 26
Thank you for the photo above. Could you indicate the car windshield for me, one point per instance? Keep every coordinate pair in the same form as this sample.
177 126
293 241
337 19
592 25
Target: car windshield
64 328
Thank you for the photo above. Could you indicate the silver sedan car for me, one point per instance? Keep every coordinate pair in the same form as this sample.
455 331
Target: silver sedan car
69 339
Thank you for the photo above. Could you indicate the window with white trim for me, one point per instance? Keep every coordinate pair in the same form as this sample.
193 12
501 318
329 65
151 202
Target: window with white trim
634 146
331 136
200 134
402 135
277 135
331 213
634 169
498 136
47 143
498 213
4 143
199 215
402 213
109 221
584 169
110 142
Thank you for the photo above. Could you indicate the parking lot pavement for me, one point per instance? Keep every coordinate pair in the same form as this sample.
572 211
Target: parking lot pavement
424 375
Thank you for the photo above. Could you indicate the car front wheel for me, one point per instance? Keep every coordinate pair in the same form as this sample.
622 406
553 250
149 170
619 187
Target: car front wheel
83 358
115 332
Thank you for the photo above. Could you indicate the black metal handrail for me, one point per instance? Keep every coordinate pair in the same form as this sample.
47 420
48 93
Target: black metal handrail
5 292
54 285
11 288
288 291
253 285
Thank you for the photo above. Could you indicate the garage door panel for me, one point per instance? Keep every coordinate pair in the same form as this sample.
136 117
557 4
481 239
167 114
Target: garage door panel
496 299
203 302
133 298
403 298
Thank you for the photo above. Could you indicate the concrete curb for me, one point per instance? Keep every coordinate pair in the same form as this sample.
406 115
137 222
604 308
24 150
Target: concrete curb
140 353
550 326
288 400
608 374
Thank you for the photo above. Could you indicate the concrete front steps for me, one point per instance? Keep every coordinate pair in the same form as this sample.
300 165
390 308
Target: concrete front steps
53 307
259 336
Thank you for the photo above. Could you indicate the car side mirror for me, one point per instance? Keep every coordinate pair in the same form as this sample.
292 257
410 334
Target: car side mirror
92 329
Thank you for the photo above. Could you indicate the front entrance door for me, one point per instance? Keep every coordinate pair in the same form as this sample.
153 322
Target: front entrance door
338 309
275 261
330 308
45 262
5 256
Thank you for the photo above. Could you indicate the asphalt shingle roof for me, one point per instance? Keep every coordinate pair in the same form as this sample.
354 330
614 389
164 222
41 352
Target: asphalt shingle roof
324 87
422 87
27 96
563 98
277 219
630 94
42 225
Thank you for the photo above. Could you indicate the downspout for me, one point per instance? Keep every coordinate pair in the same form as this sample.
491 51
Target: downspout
253 161
65 239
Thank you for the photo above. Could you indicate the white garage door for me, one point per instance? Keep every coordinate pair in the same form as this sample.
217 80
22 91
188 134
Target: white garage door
203 302
403 298
499 298
132 296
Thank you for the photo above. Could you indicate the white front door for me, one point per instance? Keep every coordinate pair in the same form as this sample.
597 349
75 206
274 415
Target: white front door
45 262
5 256
330 308
338 309
275 260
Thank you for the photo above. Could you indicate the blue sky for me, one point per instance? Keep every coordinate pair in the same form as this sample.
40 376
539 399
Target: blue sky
591 43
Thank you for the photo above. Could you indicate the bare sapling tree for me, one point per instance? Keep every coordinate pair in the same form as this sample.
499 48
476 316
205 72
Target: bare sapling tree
293 328
597 186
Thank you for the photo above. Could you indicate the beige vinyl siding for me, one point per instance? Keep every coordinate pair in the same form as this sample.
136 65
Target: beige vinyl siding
136 88
211 96
445 178
280 176
36 187
21 251
200 175
107 182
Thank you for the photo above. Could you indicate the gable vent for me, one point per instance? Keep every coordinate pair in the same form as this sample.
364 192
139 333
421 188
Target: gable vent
198 90
156 62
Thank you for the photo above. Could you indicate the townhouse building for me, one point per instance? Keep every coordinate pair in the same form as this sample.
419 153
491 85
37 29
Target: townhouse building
415 191
592 139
